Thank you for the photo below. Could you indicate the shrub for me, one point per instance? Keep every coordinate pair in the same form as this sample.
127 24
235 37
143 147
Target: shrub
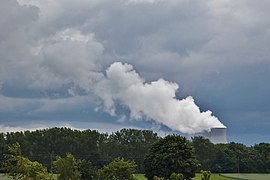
205 175
175 176
158 178
118 169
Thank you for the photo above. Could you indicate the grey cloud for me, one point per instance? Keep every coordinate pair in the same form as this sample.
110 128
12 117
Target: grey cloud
162 38
189 34
182 41
46 61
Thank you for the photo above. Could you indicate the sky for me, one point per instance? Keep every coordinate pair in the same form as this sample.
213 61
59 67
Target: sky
165 65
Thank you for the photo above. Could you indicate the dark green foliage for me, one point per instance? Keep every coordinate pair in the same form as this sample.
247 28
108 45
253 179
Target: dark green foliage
3 148
158 178
175 176
44 145
262 154
234 158
98 148
205 151
172 154
19 167
205 175
87 170
130 144
67 167
230 158
118 169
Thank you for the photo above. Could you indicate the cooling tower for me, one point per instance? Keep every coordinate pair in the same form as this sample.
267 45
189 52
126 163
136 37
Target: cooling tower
218 135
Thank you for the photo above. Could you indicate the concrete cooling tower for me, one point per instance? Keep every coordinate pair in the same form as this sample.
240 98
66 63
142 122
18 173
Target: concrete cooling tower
218 135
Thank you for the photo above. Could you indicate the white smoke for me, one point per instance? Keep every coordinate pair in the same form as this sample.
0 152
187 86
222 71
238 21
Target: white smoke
153 101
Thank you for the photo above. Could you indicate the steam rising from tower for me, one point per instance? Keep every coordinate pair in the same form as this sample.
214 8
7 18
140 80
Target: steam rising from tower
155 101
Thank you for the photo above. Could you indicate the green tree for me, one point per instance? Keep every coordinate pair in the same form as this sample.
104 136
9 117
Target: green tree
204 151
225 161
131 144
19 167
236 157
170 154
118 169
67 168
87 170
263 157
98 148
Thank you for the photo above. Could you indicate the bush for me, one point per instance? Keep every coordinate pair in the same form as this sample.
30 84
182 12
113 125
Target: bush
118 169
205 175
175 176
158 178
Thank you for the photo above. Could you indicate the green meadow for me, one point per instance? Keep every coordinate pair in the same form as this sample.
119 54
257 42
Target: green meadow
248 176
198 177
224 177
4 177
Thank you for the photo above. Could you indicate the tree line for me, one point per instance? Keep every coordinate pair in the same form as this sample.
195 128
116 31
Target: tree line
232 157
99 149
90 145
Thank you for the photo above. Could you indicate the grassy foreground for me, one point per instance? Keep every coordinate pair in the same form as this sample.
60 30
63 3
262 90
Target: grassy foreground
213 177
198 177
248 176
233 176
4 177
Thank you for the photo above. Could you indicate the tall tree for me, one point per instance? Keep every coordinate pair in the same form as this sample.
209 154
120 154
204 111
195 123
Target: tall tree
264 156
172 154
87 170
67 168
204 151
131 144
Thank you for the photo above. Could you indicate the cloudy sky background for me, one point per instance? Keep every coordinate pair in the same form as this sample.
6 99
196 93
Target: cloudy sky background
54 56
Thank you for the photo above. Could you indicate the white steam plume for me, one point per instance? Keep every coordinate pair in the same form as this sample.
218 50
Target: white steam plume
155 100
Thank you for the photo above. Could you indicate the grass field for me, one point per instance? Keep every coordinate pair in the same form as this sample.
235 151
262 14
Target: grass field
224 177
213 177
3 177
198 177
249 176
235 176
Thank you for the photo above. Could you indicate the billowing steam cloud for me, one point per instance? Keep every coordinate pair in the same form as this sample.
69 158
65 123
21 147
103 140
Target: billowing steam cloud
154 101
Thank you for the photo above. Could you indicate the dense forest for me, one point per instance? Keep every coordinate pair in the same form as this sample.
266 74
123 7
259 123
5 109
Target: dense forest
131 144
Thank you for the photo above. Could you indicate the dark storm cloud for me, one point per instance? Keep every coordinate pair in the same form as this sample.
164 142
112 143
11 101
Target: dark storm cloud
217 51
